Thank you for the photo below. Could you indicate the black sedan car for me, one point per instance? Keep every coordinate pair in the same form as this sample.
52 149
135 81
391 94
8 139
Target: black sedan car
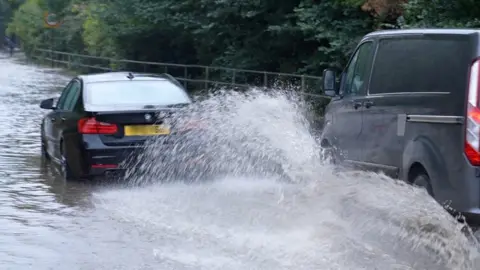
100 120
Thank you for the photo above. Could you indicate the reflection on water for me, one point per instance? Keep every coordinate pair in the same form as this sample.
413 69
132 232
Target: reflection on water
35 207
344 221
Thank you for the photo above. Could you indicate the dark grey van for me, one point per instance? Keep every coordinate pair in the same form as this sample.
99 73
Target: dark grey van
408 104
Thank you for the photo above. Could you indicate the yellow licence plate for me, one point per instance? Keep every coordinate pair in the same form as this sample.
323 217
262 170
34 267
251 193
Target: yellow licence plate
146 130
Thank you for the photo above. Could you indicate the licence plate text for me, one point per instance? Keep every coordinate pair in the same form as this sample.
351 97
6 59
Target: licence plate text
146 130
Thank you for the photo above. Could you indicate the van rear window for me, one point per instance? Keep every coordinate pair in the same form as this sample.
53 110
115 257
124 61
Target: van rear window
420 64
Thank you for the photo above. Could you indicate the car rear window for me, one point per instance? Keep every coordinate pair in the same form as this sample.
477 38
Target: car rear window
154 92
421 64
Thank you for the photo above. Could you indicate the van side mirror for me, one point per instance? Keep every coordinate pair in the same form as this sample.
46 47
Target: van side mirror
47 104
329 83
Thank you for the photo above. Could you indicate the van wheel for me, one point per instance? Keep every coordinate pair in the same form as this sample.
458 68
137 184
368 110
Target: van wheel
422 180
65 168
330 155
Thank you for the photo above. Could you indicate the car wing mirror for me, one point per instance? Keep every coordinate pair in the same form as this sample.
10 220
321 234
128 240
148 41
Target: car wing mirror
329 83
47 104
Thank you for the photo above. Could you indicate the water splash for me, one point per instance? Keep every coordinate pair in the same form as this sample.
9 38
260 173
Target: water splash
255 133
264 135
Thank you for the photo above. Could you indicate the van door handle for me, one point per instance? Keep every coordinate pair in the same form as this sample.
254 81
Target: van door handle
63 118
53 119
368 104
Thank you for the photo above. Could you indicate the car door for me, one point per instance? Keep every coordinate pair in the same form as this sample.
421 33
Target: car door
50 124
67 114
347 109
69 138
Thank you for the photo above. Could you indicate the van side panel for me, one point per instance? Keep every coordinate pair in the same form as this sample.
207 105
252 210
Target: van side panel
382 135
420 120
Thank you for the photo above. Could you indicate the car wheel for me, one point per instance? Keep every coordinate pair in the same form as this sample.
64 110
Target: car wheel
43 149
422 180
65 168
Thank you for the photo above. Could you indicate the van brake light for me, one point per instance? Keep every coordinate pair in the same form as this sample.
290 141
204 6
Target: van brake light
90 125
472 125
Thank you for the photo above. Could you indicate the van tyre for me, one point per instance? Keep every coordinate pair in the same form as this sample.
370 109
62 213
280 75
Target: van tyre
422 180
65 168
330 155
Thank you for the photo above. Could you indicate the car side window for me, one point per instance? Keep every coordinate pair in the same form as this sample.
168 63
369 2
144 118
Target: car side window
63 96
72 96
358 70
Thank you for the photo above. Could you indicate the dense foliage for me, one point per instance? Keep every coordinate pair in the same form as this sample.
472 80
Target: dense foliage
294 36
7 9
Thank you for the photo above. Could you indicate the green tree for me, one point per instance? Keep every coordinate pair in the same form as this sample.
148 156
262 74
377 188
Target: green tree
302 36
442 13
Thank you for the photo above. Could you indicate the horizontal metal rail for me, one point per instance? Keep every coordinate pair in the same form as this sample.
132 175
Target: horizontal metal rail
67 58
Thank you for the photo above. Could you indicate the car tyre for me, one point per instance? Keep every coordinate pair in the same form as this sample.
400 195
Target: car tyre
65 168
422 180
43 149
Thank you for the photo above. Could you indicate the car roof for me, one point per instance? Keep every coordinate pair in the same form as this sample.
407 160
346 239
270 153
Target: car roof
438 31
124 76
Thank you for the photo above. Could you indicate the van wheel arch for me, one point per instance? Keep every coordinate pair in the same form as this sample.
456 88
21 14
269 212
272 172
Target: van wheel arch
423 151
325 143
418 176
329 153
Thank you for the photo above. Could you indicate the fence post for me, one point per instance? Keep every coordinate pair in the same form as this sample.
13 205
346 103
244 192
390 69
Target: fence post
113 65
185 75
207 77
265 80
303 83
69 65
51 47
233 76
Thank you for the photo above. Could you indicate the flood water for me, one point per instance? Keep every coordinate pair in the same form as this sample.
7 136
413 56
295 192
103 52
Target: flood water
327 220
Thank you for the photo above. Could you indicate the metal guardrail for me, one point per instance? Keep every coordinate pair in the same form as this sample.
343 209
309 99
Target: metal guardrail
202 74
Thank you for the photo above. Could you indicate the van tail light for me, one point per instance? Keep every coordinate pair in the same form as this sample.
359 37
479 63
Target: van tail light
90 125
472 124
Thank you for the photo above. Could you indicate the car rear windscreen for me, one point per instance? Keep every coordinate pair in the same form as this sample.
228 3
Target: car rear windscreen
142 92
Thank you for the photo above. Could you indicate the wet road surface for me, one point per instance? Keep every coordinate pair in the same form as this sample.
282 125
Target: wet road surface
46 223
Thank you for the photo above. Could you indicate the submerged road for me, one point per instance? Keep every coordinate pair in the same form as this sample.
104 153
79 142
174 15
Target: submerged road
348 221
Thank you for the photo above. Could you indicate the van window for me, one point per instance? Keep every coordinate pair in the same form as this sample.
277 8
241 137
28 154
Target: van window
358 70
420 64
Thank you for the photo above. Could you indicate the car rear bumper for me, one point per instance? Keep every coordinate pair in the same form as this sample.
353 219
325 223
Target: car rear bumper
105 160
101 161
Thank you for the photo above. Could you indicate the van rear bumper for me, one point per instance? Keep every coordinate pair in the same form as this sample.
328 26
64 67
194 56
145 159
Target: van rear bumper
464 192
472 216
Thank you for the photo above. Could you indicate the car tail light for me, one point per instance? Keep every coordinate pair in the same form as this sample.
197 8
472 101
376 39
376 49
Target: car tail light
472 125
92 126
